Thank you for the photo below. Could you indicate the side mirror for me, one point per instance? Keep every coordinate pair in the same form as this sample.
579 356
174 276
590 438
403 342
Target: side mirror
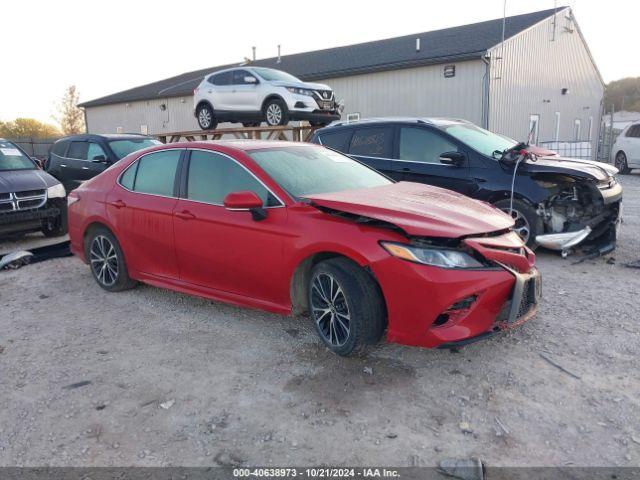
250 79
38 162
99 159
452 158
246 200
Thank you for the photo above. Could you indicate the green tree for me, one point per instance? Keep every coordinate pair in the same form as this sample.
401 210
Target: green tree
71 118
27 127
623 94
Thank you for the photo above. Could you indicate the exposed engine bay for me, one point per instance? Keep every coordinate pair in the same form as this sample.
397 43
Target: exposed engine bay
587 208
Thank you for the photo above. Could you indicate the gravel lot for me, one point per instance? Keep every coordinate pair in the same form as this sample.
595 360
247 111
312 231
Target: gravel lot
177 380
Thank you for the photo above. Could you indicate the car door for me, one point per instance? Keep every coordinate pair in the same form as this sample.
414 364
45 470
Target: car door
223 249
140 206
75 163
374 146
219 90
245 94
418 159
95 163
57 158
633 145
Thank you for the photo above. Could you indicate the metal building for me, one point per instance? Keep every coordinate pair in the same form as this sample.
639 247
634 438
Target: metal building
540 81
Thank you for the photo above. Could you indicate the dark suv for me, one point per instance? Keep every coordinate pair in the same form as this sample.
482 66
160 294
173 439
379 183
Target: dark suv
557 202
77 158
30 199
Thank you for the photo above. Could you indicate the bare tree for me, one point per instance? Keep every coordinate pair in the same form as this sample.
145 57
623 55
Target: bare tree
71 118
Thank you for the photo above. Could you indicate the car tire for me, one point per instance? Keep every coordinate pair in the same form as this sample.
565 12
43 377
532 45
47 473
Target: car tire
206 117
526 218
56 227
346 306
251 124
276 113
621 163
102 248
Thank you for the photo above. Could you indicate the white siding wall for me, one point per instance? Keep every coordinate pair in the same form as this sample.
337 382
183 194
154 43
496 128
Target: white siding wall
421 91
178 116
534 70
414 92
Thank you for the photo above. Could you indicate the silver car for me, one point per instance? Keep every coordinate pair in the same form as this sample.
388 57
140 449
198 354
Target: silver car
251 95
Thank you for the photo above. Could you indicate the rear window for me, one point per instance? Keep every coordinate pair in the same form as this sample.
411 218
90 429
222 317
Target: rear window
78 150
372 142
224 78
156 173
337 140
60 148
122 148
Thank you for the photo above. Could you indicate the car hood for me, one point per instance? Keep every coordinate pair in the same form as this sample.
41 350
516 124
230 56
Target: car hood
21 180
570 166
313 86
418 209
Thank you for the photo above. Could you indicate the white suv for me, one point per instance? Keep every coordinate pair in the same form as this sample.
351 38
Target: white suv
253 94
626 150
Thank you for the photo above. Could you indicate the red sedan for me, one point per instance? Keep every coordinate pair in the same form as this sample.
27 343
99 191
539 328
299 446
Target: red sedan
293 228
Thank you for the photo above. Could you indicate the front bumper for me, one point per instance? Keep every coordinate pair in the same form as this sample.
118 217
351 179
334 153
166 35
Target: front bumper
417 296
28 220
315 116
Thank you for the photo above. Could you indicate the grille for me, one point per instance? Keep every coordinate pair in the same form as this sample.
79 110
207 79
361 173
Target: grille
25 200
528 298
325 94
30 193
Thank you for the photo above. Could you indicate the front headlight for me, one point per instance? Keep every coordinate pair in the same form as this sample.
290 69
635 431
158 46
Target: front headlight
437 257
57 191
300 91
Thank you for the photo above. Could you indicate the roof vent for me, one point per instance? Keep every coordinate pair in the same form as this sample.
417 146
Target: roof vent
417 44
254 53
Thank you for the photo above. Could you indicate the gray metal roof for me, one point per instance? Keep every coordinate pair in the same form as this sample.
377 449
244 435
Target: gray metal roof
438 46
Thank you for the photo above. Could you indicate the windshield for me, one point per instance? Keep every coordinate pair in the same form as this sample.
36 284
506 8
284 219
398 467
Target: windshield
308 170
484 141
12 158
122 148
269 75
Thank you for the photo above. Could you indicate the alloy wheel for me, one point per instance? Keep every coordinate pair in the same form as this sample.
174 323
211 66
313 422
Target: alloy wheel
621 161
104 260
521 226
330 310
274 114
204 118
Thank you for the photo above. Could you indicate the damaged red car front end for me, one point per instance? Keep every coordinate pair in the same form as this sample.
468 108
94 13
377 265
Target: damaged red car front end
435 306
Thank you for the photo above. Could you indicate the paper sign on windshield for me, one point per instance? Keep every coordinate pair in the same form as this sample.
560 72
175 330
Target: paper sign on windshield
11 152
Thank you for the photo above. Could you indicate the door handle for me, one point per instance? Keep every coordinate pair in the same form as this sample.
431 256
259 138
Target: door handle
63 164
85 168
117 204
406 169
185 215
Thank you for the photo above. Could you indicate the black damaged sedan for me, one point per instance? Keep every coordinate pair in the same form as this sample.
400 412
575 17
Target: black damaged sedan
31 200
558 203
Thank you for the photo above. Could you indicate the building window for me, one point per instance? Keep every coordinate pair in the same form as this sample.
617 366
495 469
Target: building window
590 128
119 130
534 124
576 129
144 129
557 126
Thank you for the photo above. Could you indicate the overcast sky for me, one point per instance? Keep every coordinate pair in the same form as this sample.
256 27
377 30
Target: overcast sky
105 47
